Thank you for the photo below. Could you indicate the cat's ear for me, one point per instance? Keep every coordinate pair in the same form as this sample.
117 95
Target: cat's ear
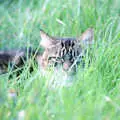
87 38
46 40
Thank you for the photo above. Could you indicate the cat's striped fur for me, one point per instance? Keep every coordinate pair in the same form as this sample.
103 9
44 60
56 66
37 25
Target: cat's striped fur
14 58
65 52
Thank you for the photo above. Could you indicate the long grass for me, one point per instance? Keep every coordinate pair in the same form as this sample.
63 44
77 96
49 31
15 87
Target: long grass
95 94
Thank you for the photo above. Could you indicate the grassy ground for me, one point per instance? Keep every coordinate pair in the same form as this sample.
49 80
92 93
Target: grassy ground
96 93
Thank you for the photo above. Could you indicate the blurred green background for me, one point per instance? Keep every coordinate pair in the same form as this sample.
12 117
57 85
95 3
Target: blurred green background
95 95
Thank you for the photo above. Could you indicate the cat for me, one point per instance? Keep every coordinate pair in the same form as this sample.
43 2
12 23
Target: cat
64 52
58 52
14 59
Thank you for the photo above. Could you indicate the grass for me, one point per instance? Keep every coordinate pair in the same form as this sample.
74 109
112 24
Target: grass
95 94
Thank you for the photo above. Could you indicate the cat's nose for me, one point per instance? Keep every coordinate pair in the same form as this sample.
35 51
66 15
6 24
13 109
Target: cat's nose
66 65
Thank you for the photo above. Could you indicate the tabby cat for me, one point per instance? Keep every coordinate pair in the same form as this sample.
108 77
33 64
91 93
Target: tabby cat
65 52
14 58
58 52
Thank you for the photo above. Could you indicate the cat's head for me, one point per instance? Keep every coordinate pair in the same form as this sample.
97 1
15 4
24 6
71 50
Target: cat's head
65 52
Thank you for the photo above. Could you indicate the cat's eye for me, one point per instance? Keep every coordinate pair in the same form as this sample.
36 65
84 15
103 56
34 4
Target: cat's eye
49 58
